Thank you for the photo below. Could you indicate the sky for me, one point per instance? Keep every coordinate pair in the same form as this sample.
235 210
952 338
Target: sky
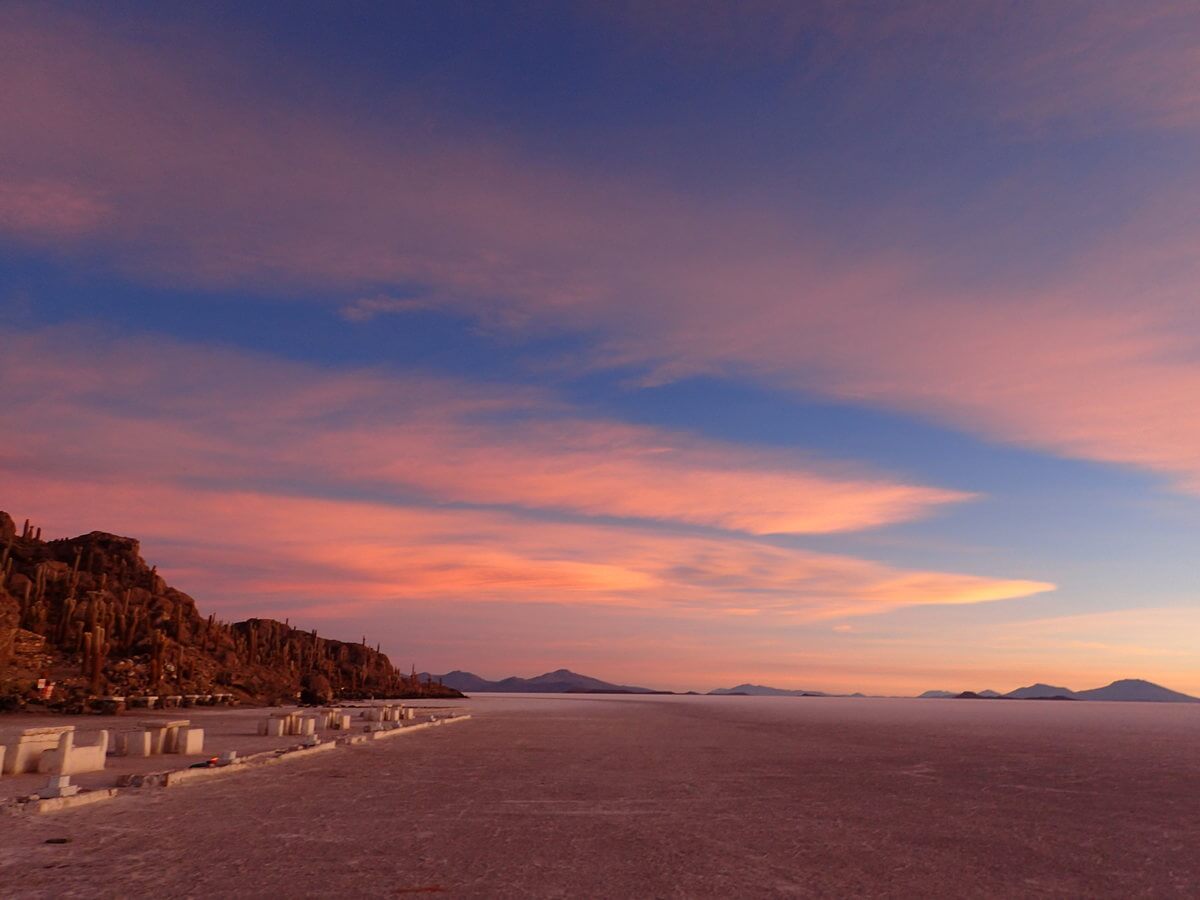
834 346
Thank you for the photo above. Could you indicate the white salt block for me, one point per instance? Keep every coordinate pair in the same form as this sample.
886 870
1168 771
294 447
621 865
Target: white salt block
58 786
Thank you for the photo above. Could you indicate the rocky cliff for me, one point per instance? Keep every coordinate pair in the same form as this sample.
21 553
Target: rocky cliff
90 615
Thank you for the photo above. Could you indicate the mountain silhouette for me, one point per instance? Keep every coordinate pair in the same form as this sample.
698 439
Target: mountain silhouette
1124 690
1040 691
761 690
1137 690
560 681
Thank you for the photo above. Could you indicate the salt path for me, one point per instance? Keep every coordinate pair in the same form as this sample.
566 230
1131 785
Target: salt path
671 797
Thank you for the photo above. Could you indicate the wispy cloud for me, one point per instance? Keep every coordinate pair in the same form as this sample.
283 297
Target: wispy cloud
40 209
202 453
164 409
364 309
674 285
329 558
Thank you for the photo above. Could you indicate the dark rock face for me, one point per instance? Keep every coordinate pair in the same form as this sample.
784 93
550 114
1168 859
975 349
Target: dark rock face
10 621
10 609
89 614
315 689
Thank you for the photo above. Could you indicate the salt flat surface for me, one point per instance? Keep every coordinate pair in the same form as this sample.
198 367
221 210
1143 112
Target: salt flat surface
671 797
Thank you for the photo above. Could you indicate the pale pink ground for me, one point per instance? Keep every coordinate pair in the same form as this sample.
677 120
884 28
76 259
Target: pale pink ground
672 797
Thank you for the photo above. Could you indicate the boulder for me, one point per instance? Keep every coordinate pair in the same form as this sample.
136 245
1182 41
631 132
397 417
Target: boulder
315 688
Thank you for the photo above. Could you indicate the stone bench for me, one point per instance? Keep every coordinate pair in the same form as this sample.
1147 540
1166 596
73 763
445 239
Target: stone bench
335 718
189 741
68 759
26 746
281 724
109 706
153 738
138 743
164 733
387 713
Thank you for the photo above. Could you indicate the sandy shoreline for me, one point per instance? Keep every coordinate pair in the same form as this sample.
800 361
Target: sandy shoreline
673 797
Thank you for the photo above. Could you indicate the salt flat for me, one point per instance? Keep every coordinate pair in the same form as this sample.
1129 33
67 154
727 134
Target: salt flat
621 796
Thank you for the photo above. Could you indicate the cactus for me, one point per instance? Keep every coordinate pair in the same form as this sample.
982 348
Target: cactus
26 603
156 651
64 623
100 649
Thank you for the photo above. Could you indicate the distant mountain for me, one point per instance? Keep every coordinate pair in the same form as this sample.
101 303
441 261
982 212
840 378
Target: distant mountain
1127 689
560 681
459 680
964 695
1135 689
761 690
1040 691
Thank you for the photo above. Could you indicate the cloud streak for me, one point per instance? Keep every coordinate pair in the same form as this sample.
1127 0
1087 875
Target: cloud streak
477 494
168 410
326 558
673 284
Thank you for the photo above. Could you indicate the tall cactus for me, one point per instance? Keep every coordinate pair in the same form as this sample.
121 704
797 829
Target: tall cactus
156 660
100 649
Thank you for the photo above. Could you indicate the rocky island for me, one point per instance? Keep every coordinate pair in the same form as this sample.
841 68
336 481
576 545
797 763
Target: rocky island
85 618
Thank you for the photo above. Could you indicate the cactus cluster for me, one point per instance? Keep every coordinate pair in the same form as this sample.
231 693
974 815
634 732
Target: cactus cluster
122 629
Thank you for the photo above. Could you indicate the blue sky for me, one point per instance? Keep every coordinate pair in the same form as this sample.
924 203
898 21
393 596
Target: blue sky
845 347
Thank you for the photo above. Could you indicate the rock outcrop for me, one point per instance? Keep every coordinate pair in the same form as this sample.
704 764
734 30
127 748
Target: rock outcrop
90 615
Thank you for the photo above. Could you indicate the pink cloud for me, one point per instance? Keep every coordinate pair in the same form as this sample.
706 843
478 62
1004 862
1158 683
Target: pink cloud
209 180
113 408
39 209
173 444
1092 361
364 309
327 558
